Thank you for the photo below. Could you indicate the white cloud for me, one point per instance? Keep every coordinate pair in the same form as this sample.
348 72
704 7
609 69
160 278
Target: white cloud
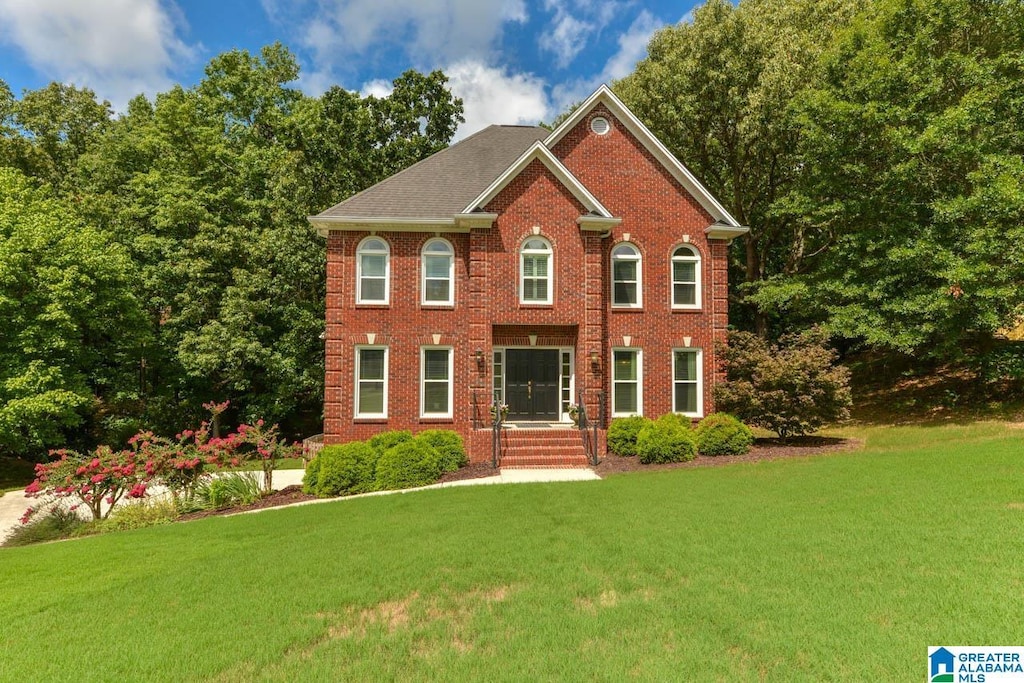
378 87
632 48
574 24
425 30
493 95
118 48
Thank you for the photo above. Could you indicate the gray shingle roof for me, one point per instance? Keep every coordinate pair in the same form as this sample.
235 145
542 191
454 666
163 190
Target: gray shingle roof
443 184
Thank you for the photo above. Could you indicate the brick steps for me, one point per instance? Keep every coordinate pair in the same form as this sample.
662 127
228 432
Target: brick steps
524 448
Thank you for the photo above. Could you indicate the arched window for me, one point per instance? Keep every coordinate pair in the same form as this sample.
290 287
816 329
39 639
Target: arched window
686 277
373 271
535 271
626 283
438 273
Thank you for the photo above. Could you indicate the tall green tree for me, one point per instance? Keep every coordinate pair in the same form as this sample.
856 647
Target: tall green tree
71 333
718 92
917 137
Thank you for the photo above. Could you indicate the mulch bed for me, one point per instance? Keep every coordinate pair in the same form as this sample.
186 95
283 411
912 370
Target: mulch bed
286 496
763 449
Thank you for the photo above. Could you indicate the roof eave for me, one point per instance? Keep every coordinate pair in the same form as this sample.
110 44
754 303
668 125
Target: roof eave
325 224
598 223
721 231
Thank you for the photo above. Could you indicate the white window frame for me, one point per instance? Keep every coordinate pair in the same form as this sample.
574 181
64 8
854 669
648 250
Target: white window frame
699 381
638 257
694 258
450 301
550 253
360 250
639 379
358 380
423 380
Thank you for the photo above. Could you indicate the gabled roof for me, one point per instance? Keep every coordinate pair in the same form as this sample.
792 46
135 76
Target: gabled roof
539 152
440 186
605 96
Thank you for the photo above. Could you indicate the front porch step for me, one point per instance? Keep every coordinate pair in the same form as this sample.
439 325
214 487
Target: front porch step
521 448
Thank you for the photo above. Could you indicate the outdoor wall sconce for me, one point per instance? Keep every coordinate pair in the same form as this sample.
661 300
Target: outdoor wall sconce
595 359
479 355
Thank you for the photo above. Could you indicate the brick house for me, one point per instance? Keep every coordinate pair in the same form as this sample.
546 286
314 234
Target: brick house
539 268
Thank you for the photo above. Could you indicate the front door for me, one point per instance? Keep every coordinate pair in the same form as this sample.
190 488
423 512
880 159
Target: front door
531 384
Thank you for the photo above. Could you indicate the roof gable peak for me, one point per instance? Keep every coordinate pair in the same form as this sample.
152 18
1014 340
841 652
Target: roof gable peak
604 95
538 151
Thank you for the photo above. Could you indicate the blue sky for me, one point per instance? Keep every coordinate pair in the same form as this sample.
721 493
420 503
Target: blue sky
512 61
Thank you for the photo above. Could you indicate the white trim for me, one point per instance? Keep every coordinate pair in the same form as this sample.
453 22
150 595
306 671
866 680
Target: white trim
450 301
598 223
550 275
357 367
698 260
639 355
450 380
699 382
387 271
540 152
721 231
639 275
605 96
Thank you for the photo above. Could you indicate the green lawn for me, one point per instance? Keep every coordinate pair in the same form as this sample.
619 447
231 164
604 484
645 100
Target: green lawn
836 567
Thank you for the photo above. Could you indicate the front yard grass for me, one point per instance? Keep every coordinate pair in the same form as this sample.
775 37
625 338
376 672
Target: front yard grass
837 567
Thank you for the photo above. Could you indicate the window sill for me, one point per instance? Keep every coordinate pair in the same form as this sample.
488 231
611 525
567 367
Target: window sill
372 305
527 304
440 419
627 309
377 419
687 309
437 307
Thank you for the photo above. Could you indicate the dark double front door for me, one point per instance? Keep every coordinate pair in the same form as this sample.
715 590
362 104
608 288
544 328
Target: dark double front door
531 384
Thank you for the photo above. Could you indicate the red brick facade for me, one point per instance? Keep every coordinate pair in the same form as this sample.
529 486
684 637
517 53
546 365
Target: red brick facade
657 216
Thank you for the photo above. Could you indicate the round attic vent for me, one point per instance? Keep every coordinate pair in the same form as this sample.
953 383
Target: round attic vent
600 125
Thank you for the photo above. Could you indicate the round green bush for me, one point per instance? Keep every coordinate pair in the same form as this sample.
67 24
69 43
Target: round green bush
622 434
408 465
449 445
386 440
723 434
312 475
665 441
346 469
676 419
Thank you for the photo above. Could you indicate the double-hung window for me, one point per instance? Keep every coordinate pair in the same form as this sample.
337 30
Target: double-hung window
535 271
373 271
627 383
371 396
685 277
438 273
626 283
687 387
436 381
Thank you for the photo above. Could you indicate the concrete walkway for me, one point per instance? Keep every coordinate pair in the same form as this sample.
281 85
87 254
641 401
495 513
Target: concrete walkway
14 503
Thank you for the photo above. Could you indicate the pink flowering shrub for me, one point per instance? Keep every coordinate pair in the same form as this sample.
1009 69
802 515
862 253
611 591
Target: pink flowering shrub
182 462
102 476
264 444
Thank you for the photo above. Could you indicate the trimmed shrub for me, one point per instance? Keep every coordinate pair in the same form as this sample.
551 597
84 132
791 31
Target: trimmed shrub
723 434
387 440
345 469
623 432
408 465
676 419
311 479
665 441
449 445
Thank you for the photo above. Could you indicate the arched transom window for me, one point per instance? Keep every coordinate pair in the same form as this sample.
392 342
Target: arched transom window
535 271
686 277
626 272
373 271
438 273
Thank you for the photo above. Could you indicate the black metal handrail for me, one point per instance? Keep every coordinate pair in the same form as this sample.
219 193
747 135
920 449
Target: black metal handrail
588 430
496 419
